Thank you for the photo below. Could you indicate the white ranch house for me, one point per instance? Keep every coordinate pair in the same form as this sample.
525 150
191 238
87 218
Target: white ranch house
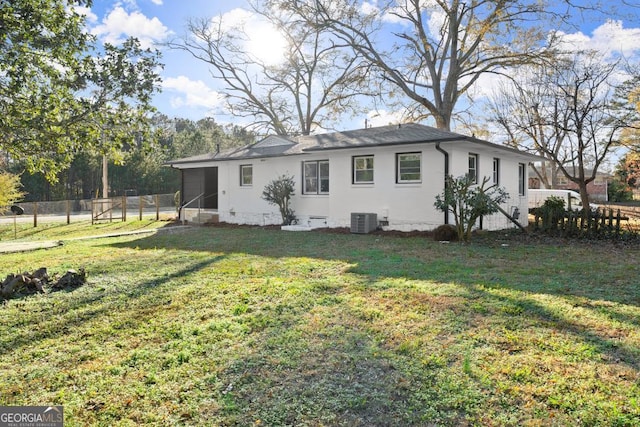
394 172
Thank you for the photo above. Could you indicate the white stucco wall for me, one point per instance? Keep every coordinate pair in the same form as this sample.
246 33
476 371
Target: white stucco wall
508 179
406 207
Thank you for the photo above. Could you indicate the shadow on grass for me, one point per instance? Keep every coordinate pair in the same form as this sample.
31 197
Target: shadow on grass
323 369
30 232
49 324
536 268
327 362
530 269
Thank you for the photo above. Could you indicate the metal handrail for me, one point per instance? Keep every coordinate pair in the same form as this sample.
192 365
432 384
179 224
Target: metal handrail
192 200
188 203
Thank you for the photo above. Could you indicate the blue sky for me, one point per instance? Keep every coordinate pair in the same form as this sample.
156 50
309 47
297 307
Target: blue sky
189 91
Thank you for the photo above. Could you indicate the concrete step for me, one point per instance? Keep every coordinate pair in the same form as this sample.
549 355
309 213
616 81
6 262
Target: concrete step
206 218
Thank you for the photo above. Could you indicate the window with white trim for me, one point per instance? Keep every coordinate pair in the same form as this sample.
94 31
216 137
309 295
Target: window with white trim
473 168
316 177
522 168
246 175
363 169
408 167
496 171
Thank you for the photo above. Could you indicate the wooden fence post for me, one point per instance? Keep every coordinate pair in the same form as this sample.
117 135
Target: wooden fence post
140 203
157 199
35 214
68 212
124 208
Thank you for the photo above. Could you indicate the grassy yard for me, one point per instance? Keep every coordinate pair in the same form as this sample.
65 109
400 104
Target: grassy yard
259 327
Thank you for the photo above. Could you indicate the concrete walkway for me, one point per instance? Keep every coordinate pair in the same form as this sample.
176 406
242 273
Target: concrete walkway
25 246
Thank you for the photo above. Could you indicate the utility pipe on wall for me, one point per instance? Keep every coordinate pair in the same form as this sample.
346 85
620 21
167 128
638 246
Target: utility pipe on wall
446 174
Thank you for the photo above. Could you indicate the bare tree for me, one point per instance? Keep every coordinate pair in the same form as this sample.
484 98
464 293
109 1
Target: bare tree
436 50
534 119
314 85
572 117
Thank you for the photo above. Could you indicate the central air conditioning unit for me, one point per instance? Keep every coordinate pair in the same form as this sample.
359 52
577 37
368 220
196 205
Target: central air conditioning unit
363 223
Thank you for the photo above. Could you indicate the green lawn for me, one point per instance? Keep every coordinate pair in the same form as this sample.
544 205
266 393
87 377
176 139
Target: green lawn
250 326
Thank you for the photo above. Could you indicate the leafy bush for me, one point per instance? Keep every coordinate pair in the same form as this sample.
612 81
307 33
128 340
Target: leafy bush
9 190
278 192
468 201
619 191
552 212
445 232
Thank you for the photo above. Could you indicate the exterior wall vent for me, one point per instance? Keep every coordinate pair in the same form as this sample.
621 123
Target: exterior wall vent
363 223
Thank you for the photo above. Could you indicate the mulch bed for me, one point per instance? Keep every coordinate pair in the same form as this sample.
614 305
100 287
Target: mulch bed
489 238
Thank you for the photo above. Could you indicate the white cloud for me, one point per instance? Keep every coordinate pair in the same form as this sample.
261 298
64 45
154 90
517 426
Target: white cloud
87 13
158 2
192 93
384 117
119 24
259 37
610 38
368 8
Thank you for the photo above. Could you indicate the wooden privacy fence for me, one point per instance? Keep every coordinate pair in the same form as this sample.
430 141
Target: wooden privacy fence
572 223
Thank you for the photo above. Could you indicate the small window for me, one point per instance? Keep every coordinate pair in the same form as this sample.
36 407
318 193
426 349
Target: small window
522 168
409 167
496 171
473 168
363 170
246 175
316 177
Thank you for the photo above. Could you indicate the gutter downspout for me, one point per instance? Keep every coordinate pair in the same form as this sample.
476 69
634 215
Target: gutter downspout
446 174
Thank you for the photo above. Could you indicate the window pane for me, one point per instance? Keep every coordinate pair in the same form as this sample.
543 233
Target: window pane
324 185
311 185
363 169
409 167
473 167
324 177
364 176
311 177
246 175
369 163
324 169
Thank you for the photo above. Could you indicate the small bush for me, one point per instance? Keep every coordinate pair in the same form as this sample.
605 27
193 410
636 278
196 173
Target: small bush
445 232
552 213
279 192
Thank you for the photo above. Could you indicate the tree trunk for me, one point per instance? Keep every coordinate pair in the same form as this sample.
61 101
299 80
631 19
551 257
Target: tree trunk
584 198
